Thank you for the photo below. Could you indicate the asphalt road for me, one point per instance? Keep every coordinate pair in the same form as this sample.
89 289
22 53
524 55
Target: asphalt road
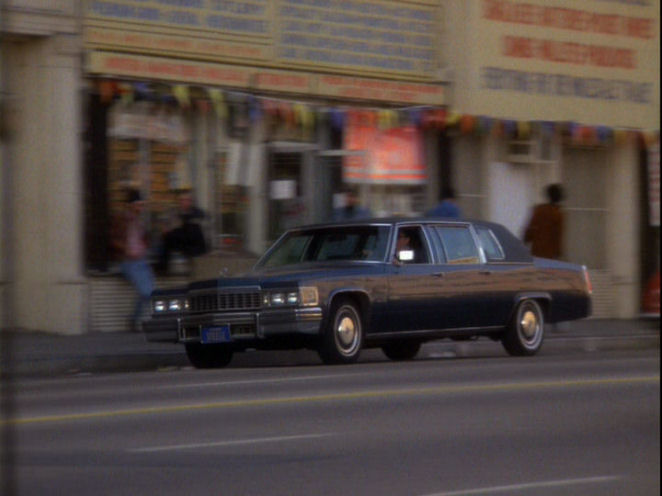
584 424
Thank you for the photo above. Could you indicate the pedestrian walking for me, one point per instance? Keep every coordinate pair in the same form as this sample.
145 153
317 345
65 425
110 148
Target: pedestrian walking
129 240
352 208
447 207
187 237
544 231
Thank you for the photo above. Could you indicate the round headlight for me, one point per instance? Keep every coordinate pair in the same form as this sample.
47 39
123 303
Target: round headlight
174 305
159 306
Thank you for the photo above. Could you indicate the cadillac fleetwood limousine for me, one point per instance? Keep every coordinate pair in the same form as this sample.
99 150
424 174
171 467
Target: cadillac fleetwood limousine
388 283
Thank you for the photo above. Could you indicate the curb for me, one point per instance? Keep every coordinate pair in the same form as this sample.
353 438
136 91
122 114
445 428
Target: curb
175 358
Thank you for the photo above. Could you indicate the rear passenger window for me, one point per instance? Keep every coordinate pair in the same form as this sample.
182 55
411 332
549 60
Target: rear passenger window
458 244
491 246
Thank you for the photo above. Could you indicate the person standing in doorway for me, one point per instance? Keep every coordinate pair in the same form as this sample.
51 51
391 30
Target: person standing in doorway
129 240
447 207
352 208
545 229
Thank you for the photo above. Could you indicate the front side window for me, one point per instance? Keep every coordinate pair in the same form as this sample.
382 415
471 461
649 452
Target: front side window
344 243
458 244
410 240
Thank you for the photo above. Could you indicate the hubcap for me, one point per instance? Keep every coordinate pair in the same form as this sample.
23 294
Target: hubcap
346 332
529 324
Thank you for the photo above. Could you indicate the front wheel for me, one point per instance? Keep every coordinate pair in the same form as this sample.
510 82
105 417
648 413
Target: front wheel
343 337
208 356
525 332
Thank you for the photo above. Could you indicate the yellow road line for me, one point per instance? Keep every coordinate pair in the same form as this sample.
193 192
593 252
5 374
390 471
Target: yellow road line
388 393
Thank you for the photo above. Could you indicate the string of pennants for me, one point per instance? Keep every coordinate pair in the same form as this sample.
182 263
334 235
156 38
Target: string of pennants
306 115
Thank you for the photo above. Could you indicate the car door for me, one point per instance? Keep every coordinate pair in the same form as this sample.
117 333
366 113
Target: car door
502 281
412 285
465 281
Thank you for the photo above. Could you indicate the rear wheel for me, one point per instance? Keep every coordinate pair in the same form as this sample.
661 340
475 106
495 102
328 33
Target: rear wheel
208 356
343 337
525 333
401 350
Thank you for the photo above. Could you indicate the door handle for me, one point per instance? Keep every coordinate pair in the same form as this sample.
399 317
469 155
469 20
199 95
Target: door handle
438 274
486 272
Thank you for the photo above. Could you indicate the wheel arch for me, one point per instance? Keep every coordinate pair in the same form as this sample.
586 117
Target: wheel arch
358 295
543 298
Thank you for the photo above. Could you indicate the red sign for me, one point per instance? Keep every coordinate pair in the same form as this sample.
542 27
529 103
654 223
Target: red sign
383 156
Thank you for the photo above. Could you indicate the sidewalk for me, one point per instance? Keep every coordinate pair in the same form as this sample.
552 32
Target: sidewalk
40 354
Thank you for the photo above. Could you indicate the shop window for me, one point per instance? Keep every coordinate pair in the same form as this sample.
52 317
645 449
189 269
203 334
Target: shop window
149 149
286 204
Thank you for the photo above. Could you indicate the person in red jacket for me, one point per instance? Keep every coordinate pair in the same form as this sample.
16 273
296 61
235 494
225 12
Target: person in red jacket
545 229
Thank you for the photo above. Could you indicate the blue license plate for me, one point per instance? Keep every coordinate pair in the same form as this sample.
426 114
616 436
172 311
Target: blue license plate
218 334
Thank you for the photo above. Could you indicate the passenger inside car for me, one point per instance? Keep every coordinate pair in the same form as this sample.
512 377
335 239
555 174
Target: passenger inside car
409 246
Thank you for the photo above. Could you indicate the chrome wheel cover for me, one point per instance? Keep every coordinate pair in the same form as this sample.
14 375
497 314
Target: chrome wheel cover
347 331
529 325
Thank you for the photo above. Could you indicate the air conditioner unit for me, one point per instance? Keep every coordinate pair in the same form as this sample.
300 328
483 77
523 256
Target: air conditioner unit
522 151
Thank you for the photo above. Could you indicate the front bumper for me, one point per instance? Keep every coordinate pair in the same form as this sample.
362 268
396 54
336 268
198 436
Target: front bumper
244 326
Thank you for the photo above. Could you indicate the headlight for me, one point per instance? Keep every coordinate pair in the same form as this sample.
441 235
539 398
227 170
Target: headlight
174 305
159 306
304 296
277 298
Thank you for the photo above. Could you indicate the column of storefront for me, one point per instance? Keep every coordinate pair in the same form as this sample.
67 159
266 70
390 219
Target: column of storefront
623 249
49 287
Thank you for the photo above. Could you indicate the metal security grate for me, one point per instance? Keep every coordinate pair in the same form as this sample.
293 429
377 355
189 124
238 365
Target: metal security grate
215 302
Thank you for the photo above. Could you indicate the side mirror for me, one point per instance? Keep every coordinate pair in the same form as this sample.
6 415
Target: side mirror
406 255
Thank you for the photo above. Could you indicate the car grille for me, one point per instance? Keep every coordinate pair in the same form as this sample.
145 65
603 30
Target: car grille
219 302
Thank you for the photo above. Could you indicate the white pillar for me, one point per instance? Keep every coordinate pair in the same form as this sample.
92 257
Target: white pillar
623 251
50 288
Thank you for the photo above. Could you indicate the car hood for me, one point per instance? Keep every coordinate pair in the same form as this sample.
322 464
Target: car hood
291 275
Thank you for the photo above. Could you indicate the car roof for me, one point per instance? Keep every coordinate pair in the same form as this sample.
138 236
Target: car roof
515 250
386 220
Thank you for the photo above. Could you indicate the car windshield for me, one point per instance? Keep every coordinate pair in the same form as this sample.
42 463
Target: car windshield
364 243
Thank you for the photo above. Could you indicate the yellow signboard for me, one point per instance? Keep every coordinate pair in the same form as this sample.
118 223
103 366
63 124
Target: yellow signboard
596 61
292 82
398 39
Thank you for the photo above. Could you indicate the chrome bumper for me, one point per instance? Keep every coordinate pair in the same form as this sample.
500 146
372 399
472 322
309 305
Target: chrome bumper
262 324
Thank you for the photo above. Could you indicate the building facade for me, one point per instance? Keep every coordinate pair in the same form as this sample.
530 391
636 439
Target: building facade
267 110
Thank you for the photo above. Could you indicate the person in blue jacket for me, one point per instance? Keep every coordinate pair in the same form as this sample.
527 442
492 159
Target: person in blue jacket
447 207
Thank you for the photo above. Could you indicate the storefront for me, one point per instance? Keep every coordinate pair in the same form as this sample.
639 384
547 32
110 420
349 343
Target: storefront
557 92
265 126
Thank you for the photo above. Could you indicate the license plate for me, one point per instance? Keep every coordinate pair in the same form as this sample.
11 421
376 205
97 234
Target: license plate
219 334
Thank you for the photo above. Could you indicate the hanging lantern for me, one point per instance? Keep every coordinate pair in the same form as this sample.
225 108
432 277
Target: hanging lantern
218 102
453 119
182 95
337 117
523 130
107 90
510 129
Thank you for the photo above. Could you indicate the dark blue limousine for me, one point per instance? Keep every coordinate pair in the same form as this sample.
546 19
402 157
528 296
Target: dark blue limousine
387 283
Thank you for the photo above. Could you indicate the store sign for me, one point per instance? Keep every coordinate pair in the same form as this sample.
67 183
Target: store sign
372 89
591 61
395 38
383 156
148 67
139 66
